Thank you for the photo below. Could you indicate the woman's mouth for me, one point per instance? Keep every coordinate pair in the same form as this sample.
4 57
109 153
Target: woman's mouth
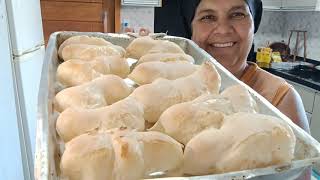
223 45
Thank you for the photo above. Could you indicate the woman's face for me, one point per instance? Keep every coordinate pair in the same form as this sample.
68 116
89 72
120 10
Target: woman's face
224 28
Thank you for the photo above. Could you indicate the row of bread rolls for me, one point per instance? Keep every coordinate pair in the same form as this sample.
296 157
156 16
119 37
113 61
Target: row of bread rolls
97 100
154 98
80 74
182 99
89 88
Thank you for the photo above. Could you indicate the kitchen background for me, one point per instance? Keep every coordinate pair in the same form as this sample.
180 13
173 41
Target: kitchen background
109 16
275 26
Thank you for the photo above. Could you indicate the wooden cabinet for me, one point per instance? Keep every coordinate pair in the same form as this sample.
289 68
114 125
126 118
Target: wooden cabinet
315 121
287 5
272 4
299 5
79 15
307 96
311 102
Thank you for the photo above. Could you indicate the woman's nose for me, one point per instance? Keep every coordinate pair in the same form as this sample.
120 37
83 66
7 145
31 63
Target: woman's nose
223 27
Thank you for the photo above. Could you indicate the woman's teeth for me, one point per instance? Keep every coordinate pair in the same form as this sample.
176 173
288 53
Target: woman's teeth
223 45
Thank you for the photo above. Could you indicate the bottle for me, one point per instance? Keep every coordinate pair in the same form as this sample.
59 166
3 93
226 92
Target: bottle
124 26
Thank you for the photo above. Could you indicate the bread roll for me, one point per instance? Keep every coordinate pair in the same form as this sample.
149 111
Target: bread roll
76 72
89 52
82 39
165 57
161 94
88 157
146 45
100 92
244 141
161 153
139 47
165 46
127 155
185 120
148 72
76 121
241 99
129 160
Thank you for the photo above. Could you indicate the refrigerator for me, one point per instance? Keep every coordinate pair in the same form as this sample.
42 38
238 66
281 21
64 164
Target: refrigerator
21 55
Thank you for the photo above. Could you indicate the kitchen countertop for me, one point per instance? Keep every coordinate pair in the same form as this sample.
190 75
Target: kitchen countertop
309 79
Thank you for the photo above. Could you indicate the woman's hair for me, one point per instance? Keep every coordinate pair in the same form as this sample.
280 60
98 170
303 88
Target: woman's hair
191 6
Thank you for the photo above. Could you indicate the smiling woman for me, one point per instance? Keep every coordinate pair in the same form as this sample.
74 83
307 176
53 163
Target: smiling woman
225 29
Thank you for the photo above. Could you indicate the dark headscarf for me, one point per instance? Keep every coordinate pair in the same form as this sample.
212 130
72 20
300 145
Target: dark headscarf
191 6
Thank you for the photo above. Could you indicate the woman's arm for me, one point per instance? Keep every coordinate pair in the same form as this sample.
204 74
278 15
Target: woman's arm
292 106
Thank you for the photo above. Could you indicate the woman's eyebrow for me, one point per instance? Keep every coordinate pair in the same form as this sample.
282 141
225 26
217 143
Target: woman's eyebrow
206 11
241 7
234 8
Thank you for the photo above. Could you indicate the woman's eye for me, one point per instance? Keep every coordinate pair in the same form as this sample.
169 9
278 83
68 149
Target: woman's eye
238 15
207 18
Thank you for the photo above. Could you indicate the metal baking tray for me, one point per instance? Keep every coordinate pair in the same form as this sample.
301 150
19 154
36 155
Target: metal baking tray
47 158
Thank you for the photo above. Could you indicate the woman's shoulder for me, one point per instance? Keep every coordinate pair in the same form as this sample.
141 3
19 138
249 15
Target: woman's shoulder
265 76
268 85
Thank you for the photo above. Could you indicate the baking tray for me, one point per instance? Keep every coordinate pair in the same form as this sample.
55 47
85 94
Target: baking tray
47 158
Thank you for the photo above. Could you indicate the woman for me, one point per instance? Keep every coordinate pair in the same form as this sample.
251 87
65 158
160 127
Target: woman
225 29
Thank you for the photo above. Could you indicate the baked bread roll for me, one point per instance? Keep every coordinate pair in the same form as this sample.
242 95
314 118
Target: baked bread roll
139 47
165 46
90 52
241 99
88 157
129 160
76 121
185 120
162 93
244 141
76 72
160 152
147 72
145 45
82 39
100 92
127 155
165 57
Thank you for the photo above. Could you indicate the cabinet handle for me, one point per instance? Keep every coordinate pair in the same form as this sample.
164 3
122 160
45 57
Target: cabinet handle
105 21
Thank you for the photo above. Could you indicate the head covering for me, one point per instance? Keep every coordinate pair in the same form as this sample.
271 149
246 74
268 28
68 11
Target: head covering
255 7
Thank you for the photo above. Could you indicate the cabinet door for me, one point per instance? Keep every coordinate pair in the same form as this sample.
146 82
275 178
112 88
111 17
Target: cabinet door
315 121
307 96
272 4
299 5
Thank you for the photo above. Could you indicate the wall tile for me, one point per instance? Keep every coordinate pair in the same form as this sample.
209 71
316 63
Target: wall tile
271 28
275 26
138 17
